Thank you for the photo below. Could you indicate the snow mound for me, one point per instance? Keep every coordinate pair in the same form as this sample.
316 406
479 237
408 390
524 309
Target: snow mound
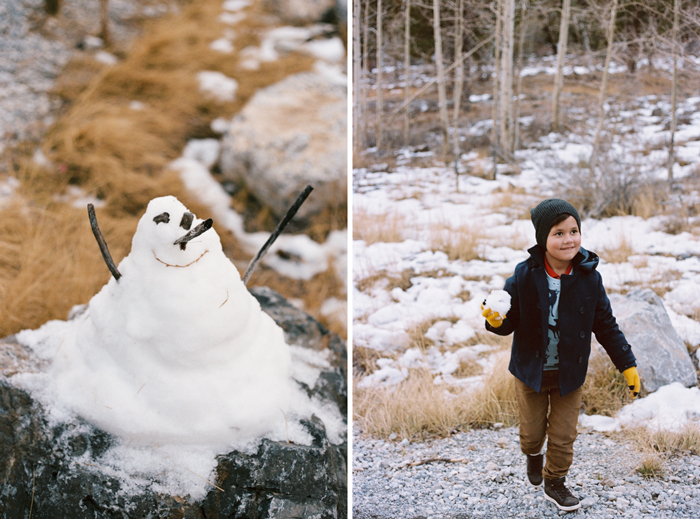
177 349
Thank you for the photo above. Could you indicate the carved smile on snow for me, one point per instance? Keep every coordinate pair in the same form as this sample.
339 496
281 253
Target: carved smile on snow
185 223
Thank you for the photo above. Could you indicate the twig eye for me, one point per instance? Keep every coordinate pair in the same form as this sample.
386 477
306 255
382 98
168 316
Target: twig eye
187 220
162 218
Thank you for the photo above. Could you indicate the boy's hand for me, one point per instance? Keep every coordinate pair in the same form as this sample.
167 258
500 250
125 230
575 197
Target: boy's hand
632 380
493 318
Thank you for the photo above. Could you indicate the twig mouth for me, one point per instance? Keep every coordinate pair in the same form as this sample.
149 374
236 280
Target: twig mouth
178 266
200 229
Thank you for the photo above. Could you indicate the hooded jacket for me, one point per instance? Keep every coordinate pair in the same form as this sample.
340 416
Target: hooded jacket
584 307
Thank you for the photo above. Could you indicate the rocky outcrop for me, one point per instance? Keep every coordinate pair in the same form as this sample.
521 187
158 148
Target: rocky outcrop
289 135
662 357
53 471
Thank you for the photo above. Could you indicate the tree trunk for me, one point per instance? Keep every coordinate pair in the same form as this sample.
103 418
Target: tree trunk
356 65
561 56
380 66
407 68
365 75
604 86
674 90
459 83
507 105
442 94
495 111
519 80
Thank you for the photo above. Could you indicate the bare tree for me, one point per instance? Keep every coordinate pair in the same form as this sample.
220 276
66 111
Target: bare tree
458 85
674 89
561 56
440 69
519 77
407 68
357 110
604 85
380 71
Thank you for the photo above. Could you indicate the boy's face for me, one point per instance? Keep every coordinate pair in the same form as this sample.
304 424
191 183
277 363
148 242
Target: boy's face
564 240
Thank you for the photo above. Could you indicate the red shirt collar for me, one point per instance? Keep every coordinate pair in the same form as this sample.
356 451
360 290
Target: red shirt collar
552 274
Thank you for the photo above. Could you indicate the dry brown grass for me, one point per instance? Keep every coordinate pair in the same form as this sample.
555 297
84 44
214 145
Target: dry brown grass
619 252
378 228
419 408
605 390
463 243
658 447
48 258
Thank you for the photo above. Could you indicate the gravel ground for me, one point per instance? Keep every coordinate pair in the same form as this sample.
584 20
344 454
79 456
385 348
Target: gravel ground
486 478
34 47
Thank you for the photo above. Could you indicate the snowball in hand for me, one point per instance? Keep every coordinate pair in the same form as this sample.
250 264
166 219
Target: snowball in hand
498 301
177 349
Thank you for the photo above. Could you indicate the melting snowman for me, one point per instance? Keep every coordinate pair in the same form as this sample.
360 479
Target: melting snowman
174 347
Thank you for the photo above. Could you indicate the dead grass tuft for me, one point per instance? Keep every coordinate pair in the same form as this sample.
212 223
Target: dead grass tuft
463 243
605 390
619 252
378 228
658 447
419 408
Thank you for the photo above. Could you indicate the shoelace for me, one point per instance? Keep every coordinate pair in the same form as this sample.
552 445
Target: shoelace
560 488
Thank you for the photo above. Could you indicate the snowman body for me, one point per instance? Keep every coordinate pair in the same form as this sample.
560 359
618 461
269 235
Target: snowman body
177 348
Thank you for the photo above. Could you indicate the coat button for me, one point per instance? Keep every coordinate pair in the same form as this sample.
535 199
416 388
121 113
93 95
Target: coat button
582 310
580 360
582 335
537 354
626 347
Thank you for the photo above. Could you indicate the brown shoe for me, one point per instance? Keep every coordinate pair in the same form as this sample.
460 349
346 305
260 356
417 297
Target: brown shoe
555 491
534 468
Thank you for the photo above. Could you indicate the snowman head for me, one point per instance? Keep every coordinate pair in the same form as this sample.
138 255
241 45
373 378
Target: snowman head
171 235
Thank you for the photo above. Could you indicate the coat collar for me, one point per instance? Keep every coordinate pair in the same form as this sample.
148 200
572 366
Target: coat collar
585 260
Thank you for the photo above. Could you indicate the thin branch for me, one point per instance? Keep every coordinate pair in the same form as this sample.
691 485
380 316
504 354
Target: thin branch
102 243
280 227
433 460
430 83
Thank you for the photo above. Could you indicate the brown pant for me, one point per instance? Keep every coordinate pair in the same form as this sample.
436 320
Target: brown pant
549 415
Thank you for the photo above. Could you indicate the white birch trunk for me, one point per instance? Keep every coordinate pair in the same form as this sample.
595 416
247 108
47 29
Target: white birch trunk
380 77
561 56
674 90
407 68
442 94
459 84
604 86
519 79
356 84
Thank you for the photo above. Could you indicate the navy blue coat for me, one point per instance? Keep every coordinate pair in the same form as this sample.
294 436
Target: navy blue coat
583 308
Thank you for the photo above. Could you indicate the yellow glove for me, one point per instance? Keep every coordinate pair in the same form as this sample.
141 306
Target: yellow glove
493 318
632 380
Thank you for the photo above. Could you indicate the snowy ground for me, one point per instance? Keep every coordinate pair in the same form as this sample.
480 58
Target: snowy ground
423 205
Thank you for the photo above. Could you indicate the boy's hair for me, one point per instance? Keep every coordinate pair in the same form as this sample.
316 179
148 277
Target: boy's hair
549 213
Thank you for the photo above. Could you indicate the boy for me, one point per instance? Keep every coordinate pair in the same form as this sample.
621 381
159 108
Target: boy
557 300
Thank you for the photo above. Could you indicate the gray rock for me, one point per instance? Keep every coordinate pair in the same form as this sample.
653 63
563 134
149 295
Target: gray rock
52 469
289 135
662 357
